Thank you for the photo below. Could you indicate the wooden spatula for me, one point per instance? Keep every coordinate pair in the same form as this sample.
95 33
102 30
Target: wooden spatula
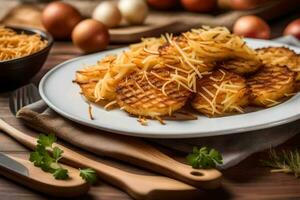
24 172
143 187
128 149
142 154
125 148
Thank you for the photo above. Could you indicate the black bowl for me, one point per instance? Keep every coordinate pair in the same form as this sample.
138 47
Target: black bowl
19 71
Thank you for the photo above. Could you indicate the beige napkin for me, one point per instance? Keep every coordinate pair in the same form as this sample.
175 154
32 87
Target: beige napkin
234 147
45 120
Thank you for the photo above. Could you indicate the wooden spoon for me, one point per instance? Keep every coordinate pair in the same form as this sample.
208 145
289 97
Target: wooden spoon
142 187
128 149
142 154
44 182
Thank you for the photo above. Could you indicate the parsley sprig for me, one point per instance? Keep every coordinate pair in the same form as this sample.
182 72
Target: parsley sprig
204 157
49 162
285 161
89 175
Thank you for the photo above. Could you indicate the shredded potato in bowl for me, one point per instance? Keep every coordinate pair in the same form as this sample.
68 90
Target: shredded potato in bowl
14 45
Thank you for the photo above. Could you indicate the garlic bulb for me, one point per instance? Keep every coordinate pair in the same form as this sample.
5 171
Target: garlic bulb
108 13
133 11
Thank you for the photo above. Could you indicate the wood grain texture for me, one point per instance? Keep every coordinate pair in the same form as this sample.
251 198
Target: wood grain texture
138 186
127 149
156 23
44 182
248 180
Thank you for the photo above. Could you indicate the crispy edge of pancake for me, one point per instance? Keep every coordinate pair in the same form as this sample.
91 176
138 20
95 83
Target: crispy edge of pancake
87 79
144 99
166 50
271 85
202 98
87 91
276 50
281 56
240 66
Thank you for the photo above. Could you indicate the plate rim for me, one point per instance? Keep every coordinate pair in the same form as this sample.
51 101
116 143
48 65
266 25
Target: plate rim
191 134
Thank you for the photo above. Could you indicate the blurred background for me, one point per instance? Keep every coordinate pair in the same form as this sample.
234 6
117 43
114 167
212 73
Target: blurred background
128 20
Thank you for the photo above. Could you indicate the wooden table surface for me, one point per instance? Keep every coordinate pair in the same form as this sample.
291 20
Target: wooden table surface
248 180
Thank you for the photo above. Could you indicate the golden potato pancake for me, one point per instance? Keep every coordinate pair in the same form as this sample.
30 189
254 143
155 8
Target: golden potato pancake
95 72
168 49
270 52
87 90
280 56
151 94
210 68
90 74
87 79
220 93
169 55
271 86
240 66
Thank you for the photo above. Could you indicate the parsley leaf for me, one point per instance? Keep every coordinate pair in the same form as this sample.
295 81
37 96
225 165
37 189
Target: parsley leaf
46 165
41 149
61 174
57 153
41 159
36 158
204 158
89 175
46 141
48 162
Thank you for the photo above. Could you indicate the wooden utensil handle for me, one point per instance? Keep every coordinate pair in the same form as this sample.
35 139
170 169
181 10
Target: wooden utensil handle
125 148
147 156
44 182
113 175
138 186
142 154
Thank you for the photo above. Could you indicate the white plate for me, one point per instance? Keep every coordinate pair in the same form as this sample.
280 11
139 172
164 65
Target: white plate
58 91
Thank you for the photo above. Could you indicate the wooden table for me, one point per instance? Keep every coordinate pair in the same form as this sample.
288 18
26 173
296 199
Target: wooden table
248 180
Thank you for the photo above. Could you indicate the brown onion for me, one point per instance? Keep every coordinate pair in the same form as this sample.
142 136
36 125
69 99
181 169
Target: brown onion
90 36
246 4
252 27
162 5
199 5
224 4
59 19
293 28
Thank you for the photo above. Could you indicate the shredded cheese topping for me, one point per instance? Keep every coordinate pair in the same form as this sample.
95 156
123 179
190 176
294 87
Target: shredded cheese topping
225 95
188 58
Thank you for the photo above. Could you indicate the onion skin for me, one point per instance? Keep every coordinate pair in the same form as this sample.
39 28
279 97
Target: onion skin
252 27
108 13
59 19
224 4
133 11
199 5
90 36
293 28
246 4
162 4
